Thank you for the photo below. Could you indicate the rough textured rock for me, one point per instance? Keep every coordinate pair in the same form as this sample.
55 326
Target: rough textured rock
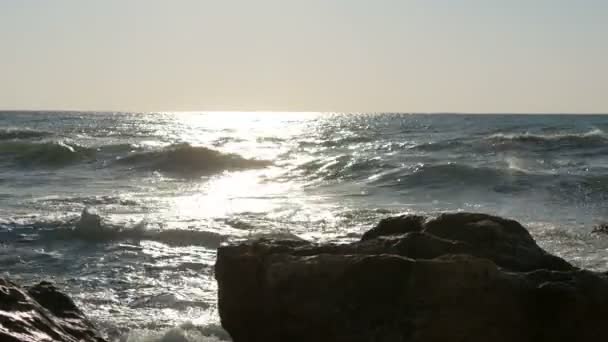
601 228
41 314
459 277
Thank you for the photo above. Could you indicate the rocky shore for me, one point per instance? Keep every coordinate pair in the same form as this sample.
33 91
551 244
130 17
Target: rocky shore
458 277
41 314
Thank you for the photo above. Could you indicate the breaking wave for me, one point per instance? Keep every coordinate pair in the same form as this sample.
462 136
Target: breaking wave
13 134
593 138
91 227
189 160
53 154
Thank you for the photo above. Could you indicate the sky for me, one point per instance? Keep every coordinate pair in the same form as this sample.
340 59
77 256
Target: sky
515 56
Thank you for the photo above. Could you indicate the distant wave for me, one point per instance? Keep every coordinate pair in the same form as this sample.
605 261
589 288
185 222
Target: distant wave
387 173
439 145
337 141
456 173
429 175
515 176
187 160
593 138
52 154
458 176
13 134
523 141
88 200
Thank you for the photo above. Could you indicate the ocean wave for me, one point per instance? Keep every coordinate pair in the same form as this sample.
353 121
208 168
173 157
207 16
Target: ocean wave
523 141
186 332
60 153
341 167
91 227
118 148
439 145
460 176
336 141
377 171
53 154
221 141
510 177
88 200
171 237
14 134
593 138
185 159
267 139
167 300
591 190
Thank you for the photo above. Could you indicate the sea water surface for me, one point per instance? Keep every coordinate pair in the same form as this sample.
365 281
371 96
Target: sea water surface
171 187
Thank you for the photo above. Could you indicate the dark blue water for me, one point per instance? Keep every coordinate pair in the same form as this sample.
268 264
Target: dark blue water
170 187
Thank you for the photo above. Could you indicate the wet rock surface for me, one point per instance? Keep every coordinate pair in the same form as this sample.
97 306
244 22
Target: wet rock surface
40 314
457 277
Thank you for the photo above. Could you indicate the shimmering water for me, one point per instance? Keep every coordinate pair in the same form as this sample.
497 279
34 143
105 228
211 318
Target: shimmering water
172 186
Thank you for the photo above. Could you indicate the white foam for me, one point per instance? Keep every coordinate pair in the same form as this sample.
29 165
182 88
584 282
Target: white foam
184 333
527 166
595 132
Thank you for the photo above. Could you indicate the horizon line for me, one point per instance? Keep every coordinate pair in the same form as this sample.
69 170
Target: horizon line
92 111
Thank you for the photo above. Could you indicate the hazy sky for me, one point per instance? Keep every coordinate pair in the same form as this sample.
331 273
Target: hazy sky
308 55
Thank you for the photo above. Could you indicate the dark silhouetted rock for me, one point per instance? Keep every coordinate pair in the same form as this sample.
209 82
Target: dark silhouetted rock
601 228
396 226
41 314
506 242
459 277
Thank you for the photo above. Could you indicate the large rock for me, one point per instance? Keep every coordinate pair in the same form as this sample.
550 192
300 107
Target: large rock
41 314
459 277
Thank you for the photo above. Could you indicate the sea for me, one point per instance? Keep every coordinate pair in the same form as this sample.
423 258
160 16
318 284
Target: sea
124 211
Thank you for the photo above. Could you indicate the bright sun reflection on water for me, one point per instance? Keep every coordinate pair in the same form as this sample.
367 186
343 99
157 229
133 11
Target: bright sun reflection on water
233 192
265 192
